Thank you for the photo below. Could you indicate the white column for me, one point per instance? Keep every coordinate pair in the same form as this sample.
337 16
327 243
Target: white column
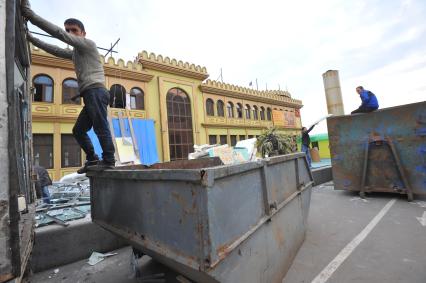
333 92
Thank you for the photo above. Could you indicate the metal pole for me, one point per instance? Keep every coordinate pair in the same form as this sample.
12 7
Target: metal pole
110 50
101 48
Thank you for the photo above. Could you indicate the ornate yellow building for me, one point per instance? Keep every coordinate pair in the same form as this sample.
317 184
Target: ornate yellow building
186 108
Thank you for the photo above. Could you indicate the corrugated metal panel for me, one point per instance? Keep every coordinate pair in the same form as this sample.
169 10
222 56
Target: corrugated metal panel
147 144
145 137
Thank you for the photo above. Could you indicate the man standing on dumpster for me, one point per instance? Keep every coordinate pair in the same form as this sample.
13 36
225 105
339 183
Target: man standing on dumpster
306 142
91 83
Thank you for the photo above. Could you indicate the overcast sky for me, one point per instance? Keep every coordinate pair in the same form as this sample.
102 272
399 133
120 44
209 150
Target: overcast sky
380 44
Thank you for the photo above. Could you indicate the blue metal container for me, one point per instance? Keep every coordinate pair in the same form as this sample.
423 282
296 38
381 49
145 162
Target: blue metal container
381 151
233 223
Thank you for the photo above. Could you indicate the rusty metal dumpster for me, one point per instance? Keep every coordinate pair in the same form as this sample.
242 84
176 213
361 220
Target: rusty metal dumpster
382 151
226 223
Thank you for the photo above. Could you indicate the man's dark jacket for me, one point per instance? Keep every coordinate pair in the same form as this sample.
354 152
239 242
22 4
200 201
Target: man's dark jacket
43 179
306 140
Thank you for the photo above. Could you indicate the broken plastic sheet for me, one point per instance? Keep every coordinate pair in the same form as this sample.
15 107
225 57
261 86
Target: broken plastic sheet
144 130
96 257
44 218
227 154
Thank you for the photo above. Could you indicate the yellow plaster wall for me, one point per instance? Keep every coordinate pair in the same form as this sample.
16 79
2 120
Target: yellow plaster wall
42 127
66 128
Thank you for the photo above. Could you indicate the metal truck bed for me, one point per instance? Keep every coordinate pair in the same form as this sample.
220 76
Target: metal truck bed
233 223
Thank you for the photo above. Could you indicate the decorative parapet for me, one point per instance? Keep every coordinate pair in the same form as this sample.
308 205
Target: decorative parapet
154 62
129 70
276 97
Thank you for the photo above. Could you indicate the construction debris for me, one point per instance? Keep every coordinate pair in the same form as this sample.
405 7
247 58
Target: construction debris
96 257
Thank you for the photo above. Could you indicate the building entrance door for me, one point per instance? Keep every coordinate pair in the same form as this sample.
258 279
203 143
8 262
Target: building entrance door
179 117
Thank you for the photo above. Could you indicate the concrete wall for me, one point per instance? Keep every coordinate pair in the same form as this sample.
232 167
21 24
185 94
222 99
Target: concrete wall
56 245
5 254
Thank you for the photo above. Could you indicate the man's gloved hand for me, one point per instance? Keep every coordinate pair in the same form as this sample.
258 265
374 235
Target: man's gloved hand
26 9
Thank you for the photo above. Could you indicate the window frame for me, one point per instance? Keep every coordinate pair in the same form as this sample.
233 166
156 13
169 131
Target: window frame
247 110
262 113
42 144
74 147
112 98
230 109
43 88
71 102
209 107
141 105
255 113
220 105
239 109
269 114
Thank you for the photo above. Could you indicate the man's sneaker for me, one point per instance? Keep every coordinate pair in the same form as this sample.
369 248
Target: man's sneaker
102 165
87 164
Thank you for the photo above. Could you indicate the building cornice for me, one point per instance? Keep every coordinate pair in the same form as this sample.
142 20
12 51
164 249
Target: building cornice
275 97
172 66
229 126
131 70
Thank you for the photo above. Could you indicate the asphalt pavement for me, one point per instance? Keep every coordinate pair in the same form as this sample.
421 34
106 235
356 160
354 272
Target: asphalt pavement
349 240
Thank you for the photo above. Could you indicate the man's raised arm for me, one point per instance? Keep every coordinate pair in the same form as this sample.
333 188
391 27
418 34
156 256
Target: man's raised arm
52 29
50 48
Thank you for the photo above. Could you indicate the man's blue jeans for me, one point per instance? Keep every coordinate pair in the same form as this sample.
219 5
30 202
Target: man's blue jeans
305 149
45 194
94 114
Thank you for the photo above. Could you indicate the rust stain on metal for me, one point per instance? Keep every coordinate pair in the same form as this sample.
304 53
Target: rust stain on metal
349 137
278 235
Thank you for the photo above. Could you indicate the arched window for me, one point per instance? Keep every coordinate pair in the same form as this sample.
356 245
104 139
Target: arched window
137 99
255 113
230 108
248 110
209 107
262 113
269 114
117 96
43 85
69 91
220 108
239 108
179 119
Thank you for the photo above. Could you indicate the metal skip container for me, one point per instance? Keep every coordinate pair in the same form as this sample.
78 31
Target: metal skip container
209 222
381 151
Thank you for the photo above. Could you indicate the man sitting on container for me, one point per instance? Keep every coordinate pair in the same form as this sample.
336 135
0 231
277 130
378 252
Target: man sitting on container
369 101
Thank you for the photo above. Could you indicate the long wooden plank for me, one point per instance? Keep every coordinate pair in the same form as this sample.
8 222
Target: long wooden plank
134 141
111 127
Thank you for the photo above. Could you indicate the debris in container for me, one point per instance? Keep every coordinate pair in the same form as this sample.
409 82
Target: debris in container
70 200
250 145
200 151
96 257
243 151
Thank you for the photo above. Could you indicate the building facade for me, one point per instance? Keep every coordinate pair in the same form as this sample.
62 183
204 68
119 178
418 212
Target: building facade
185 106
